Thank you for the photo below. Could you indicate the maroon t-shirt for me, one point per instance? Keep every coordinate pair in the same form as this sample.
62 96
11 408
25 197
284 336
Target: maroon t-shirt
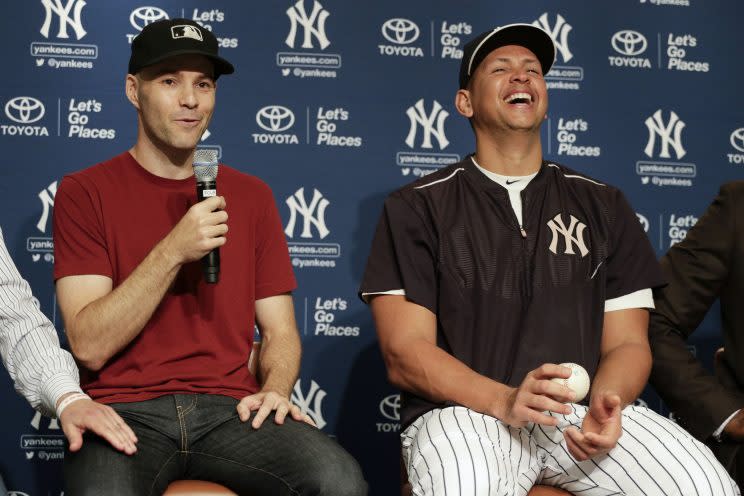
107 218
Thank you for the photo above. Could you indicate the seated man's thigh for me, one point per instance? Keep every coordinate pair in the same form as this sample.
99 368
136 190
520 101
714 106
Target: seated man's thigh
292 458
653 456
457 451
97 468
675 458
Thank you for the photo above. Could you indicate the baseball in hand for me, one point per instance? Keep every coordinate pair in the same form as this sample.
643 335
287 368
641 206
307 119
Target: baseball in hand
578 382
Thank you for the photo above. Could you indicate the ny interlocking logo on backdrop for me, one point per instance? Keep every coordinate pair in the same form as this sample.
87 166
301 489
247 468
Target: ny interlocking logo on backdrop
427 125
559 33
665 136
47 203
311 404
313 214
67 16
561 76
42 247
670 135
42 445
313 217
431 124
312 23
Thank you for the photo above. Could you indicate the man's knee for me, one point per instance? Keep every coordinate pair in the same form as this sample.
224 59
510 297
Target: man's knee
97 468
336 475
452 478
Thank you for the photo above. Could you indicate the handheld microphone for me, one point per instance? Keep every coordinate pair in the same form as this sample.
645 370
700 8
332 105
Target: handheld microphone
205 172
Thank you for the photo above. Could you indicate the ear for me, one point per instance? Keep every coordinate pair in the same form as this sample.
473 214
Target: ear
463 104
131 86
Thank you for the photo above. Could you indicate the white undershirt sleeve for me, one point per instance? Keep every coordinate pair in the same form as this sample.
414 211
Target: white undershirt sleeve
643 298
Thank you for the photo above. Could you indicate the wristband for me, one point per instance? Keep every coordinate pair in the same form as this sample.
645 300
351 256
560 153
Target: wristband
69 399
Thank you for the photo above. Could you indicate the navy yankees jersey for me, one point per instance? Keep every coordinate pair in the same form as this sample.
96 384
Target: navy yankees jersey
509 298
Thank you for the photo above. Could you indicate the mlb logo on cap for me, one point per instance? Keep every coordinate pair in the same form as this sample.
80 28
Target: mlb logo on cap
166 38
186 31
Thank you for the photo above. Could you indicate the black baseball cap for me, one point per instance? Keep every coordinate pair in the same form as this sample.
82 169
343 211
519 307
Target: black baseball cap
170 37
526 35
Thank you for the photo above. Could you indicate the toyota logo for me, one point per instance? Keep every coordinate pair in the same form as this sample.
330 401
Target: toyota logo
390 407
644 221
275 118
737 139
400 31
629 42
142 16
24 110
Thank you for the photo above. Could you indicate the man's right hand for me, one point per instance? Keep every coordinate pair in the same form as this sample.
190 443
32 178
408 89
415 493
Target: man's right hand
199 231
734 430
538 394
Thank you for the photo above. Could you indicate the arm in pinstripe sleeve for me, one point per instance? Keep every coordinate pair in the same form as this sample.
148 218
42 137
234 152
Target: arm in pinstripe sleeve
41 371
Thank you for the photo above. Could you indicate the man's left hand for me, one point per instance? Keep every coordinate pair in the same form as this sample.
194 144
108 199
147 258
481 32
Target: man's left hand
267 402
600 430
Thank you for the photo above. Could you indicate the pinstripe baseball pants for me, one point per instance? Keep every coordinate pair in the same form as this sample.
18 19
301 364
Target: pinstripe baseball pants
456 451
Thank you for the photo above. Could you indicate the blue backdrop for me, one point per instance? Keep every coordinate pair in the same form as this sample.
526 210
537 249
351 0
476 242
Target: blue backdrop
337 103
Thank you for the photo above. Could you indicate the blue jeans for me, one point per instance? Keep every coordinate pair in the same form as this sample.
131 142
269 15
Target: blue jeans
199 436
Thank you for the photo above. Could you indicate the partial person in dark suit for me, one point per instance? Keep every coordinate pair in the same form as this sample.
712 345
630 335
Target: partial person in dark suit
708 264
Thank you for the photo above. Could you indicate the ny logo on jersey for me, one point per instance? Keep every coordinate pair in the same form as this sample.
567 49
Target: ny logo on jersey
316 395
559 33
47 201
314 25
574 234
656 126
418 116
312 215
63 13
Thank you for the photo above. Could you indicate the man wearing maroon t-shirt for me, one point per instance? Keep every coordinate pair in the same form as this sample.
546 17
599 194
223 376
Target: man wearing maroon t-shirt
165 349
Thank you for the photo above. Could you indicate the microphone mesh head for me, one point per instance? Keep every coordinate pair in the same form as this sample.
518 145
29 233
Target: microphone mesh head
205 165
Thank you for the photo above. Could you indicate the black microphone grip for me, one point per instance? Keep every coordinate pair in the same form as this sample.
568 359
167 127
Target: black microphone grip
210 261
